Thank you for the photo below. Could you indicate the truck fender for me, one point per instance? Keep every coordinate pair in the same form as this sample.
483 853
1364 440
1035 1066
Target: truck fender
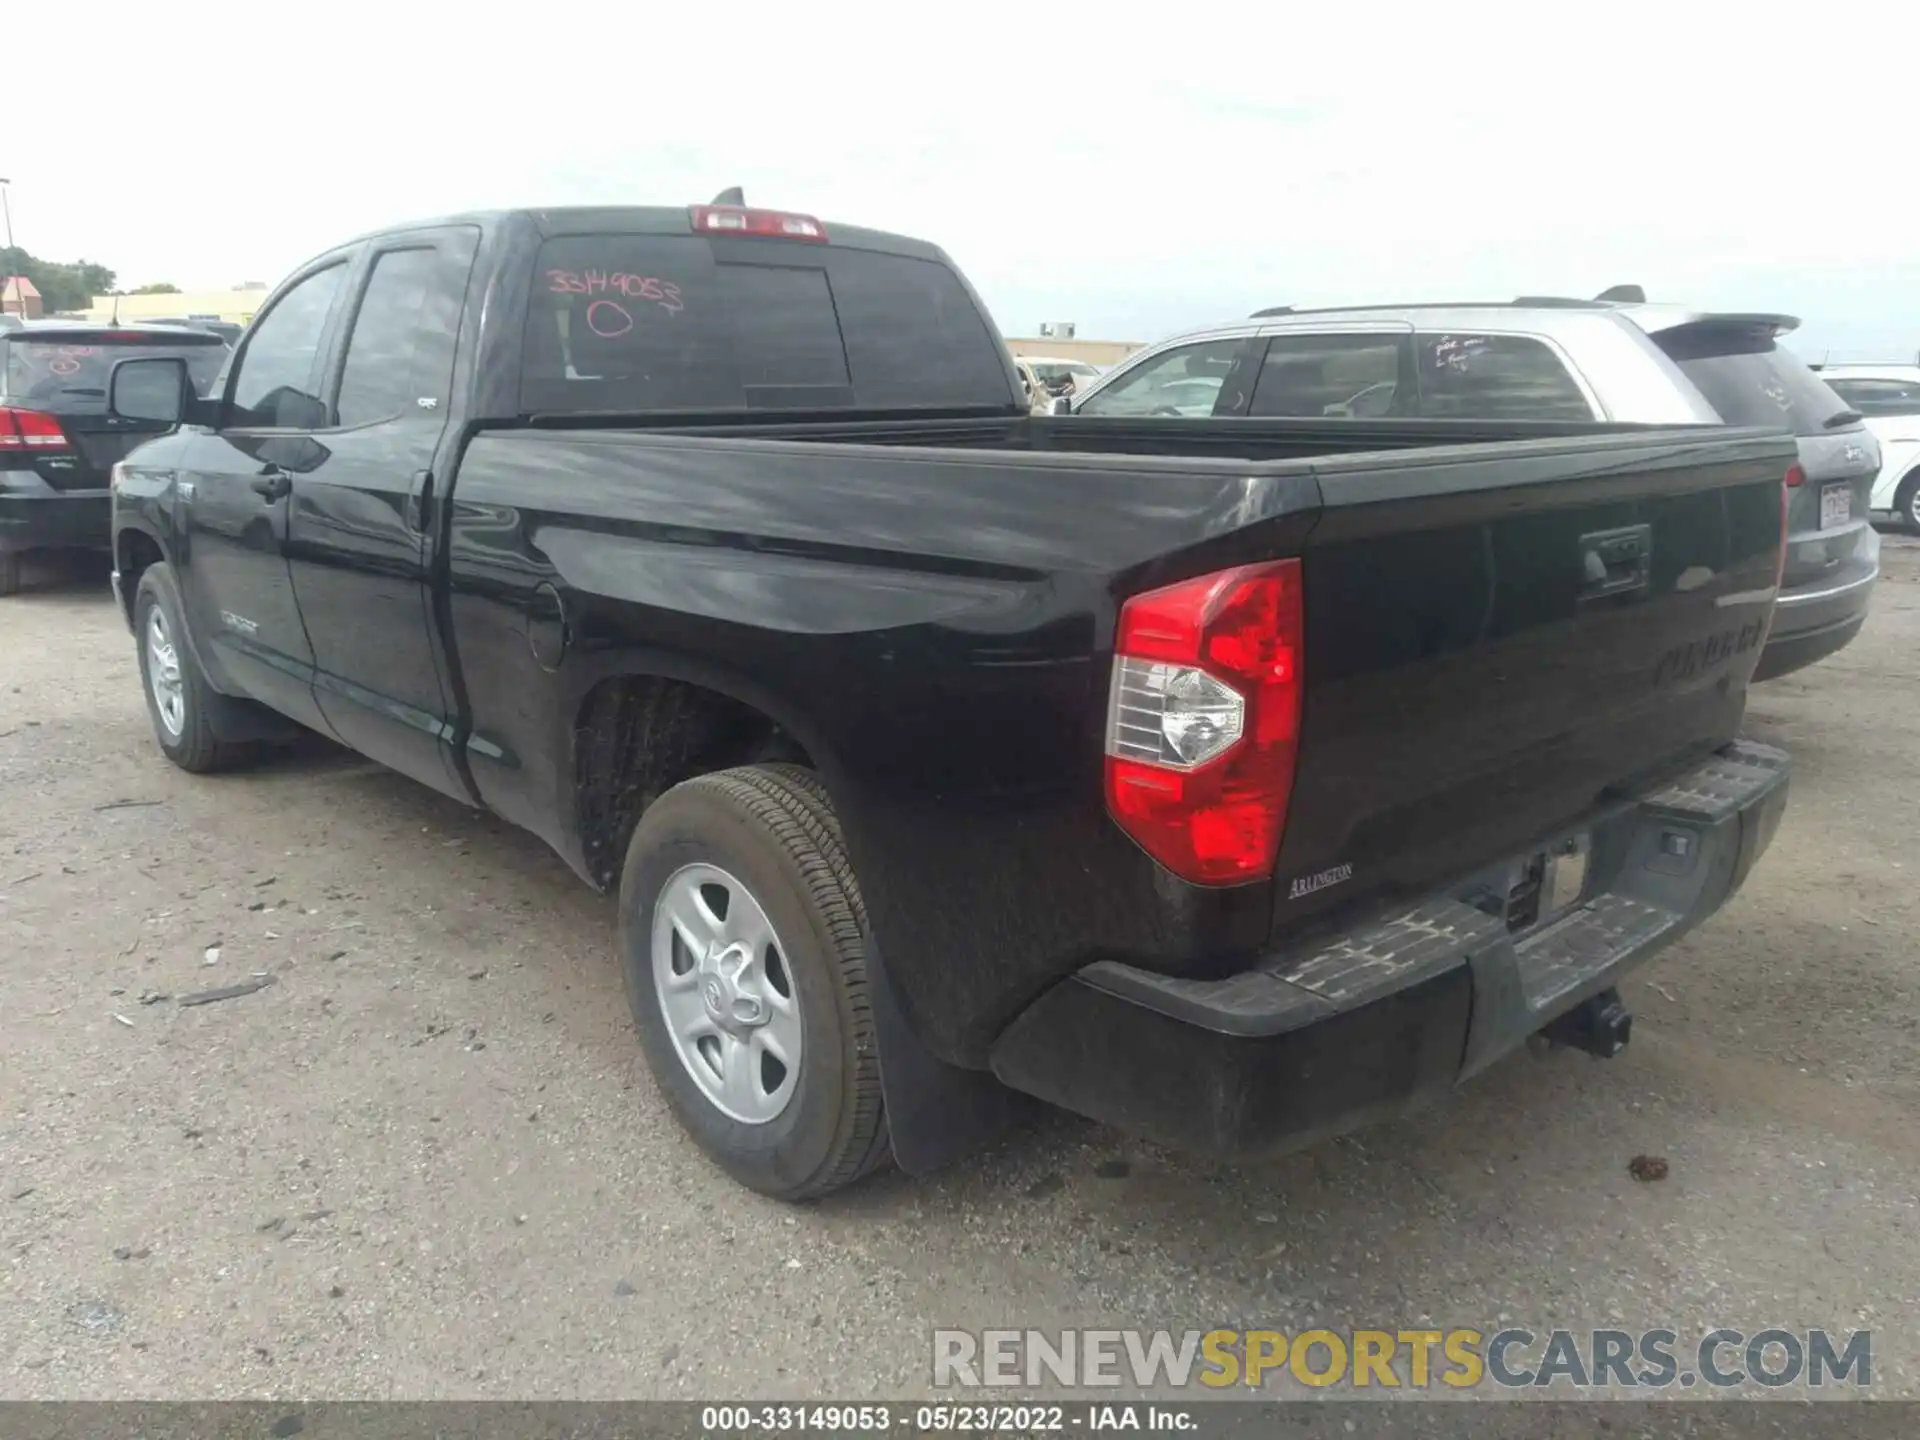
937 1113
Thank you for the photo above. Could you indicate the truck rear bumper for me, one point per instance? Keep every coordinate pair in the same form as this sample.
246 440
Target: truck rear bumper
1352 1026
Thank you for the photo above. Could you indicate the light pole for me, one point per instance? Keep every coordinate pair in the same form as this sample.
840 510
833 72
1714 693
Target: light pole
7 210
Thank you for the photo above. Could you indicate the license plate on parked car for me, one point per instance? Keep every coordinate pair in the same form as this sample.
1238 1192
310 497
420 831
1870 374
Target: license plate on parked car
1836 505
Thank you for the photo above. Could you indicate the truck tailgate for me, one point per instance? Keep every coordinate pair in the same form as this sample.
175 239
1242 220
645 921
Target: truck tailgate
1495 645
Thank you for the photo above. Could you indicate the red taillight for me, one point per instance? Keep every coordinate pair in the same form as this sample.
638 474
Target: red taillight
1203 720
738 220
29 430
1794 479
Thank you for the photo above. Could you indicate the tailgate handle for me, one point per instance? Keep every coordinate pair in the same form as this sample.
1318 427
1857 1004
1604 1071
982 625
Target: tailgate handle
1613 562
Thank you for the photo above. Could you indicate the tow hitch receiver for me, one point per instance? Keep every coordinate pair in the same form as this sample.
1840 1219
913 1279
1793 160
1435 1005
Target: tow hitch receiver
1600 1026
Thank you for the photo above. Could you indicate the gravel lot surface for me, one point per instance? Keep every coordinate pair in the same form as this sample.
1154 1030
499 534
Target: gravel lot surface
427 1161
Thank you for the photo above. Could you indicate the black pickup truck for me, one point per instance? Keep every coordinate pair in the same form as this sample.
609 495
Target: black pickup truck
1233 782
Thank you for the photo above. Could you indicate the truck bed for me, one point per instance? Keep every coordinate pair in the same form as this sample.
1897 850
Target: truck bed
929 606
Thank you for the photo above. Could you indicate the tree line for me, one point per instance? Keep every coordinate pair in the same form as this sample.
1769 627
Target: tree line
69 286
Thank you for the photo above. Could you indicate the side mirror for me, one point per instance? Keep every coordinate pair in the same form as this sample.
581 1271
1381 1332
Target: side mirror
291 408
1060 405
155 389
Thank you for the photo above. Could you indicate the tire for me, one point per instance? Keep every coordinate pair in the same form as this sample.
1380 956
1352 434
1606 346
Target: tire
9 572
192 743
768 832
1906 502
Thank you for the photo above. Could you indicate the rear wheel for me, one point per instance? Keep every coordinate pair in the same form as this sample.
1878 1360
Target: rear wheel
9 572
1906 502
745 960
180 702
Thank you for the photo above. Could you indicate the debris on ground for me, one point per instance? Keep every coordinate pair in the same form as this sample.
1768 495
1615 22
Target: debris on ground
212 955
1647 1168
95 1316
128 804
227 992
123 1020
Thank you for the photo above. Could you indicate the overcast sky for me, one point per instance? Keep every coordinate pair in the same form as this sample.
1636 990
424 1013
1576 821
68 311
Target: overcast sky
1134 167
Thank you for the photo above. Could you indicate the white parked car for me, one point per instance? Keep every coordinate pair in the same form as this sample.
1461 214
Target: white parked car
1889 397
1049 371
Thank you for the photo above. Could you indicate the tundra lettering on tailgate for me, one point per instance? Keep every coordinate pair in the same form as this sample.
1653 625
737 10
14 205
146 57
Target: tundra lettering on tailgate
1684 661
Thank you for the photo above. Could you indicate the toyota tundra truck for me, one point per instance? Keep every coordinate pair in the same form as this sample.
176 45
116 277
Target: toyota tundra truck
1234 782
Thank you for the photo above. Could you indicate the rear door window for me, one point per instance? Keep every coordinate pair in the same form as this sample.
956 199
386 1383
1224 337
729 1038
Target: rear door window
67 373
1873 397
1749 379
1351 376
1472 376
640 323
399 359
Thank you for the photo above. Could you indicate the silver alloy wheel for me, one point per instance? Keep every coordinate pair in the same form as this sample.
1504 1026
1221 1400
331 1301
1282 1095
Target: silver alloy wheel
727 994
1913 507
163 673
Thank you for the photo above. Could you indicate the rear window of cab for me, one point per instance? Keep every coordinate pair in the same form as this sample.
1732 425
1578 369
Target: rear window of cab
650 323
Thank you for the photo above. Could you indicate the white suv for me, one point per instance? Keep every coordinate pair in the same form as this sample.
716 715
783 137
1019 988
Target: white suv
1889 397
1617 358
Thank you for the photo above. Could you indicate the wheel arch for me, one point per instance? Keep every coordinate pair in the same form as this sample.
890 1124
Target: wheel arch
710 716
136 548
938 1112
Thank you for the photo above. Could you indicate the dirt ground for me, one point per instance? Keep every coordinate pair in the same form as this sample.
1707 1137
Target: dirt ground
427 1160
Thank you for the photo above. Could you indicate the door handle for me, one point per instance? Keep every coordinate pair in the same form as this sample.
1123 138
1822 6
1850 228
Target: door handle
274 485
1613 562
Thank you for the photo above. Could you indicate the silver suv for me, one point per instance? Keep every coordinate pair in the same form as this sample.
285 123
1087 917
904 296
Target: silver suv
1614 358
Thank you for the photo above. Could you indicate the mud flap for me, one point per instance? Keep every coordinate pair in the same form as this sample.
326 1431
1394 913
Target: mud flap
936 1113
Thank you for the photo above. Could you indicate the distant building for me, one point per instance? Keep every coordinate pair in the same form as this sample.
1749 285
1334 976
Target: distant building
237 305
19 296
1095 352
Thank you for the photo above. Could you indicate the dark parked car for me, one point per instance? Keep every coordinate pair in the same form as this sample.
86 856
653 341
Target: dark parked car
57 439
1234 782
